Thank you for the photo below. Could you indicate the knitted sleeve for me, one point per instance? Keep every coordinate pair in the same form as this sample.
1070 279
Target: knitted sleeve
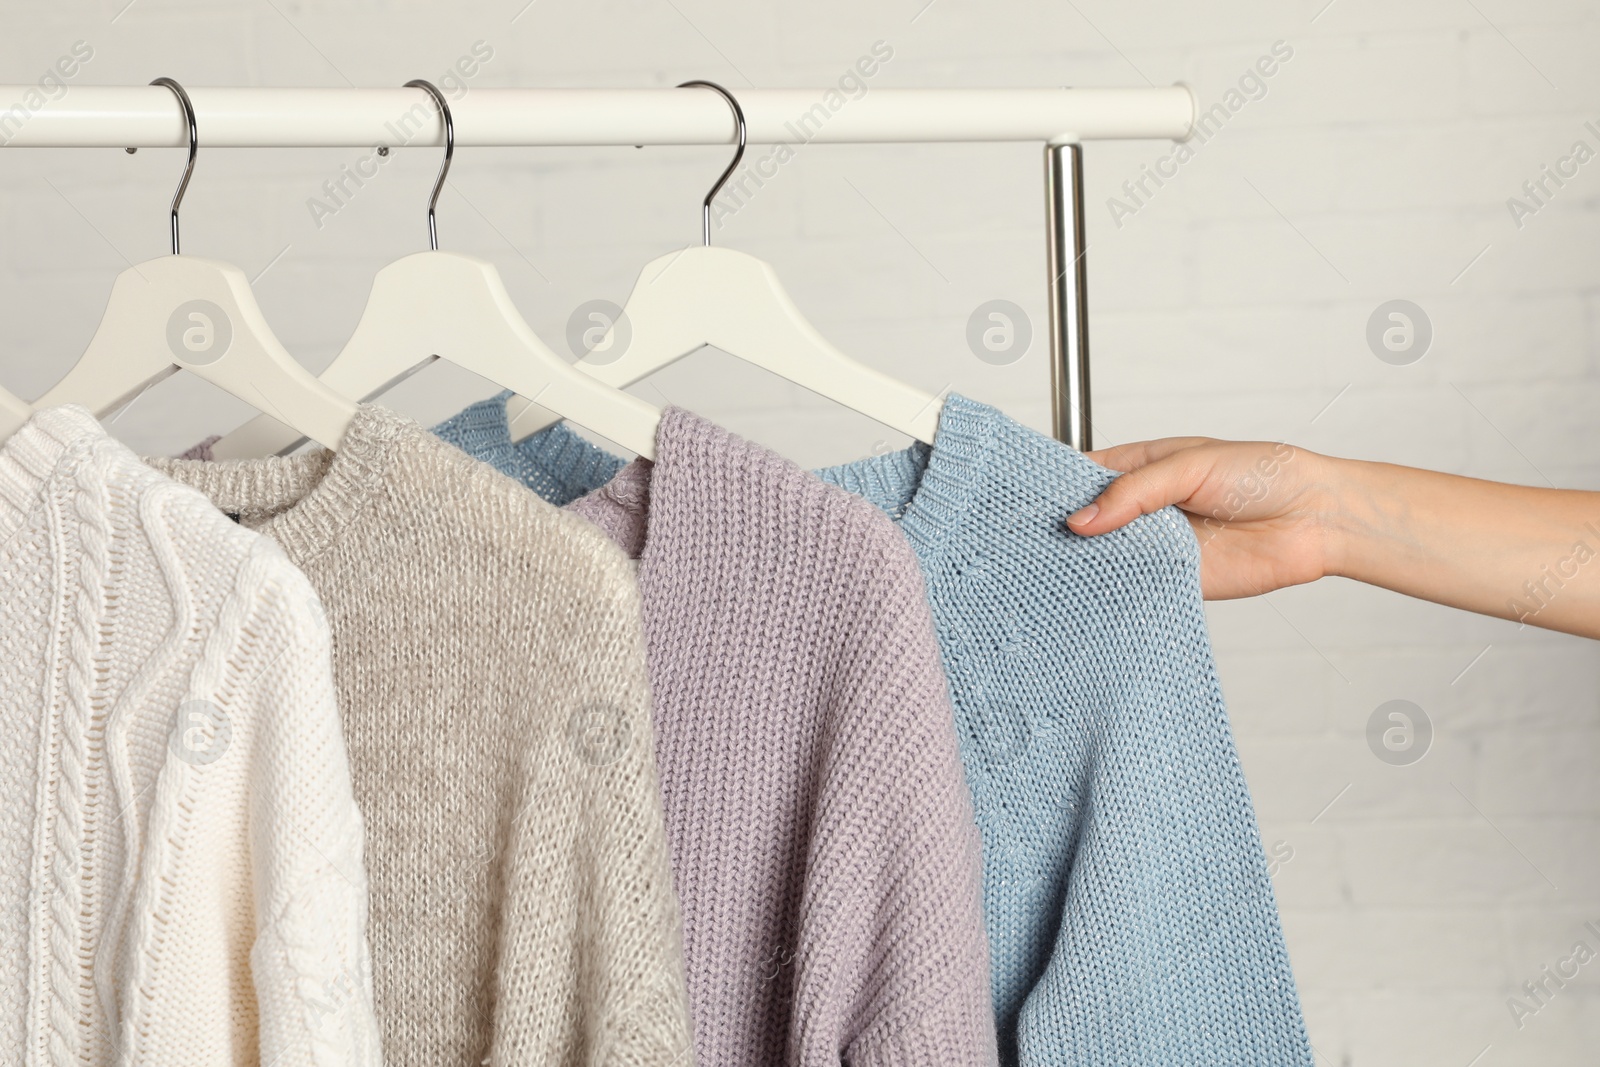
310 961
253 870
1134 820
892 913
591 969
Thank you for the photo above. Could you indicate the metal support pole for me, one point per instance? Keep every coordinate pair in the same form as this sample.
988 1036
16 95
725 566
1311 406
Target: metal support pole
1069 295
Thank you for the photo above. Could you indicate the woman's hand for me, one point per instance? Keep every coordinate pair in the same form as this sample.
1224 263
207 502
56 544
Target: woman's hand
1257 508
1272 515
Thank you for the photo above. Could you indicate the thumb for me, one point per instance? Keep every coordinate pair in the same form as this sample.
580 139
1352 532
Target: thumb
1168 480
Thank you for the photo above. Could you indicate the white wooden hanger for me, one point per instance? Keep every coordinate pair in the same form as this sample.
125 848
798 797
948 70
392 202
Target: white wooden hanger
735 302
199 315
434 304
14 411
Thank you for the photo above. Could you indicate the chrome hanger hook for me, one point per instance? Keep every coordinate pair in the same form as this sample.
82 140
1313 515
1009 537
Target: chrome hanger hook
194 149
449 152
738 118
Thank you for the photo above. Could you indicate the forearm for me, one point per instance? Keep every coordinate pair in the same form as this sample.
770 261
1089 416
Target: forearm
1505 550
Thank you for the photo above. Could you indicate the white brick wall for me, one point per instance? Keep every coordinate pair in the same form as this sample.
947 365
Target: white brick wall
1425 895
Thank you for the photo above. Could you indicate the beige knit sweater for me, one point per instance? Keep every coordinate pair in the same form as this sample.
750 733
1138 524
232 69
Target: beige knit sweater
491 677
180 851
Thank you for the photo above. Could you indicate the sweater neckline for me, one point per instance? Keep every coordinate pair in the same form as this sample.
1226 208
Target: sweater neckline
957 464
303 502
649 504
30 457
555 459
926 490
929 490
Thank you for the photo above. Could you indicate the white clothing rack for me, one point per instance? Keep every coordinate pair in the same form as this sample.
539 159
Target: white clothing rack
1059 119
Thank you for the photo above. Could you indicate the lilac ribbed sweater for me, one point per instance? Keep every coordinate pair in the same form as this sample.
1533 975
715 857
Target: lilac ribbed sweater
823 840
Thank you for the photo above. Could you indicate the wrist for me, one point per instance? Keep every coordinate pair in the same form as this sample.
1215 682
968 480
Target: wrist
1335 504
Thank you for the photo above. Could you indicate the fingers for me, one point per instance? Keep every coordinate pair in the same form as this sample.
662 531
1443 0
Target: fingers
1136 454
1168 480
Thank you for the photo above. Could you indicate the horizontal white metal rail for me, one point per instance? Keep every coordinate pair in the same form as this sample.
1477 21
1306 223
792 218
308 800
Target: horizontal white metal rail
146 116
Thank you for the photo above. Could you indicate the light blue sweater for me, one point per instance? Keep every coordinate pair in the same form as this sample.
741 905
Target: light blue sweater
1130 916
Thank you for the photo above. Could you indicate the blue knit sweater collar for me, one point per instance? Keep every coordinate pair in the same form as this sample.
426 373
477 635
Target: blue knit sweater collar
555 463
929 491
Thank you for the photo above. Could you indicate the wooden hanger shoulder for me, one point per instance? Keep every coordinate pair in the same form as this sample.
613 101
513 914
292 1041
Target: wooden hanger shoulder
734 302
201 316
444 305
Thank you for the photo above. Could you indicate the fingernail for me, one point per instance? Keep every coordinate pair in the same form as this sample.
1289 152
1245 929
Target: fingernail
1078 518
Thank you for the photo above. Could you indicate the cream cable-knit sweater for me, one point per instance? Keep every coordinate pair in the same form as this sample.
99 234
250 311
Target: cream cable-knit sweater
180 853
491 677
